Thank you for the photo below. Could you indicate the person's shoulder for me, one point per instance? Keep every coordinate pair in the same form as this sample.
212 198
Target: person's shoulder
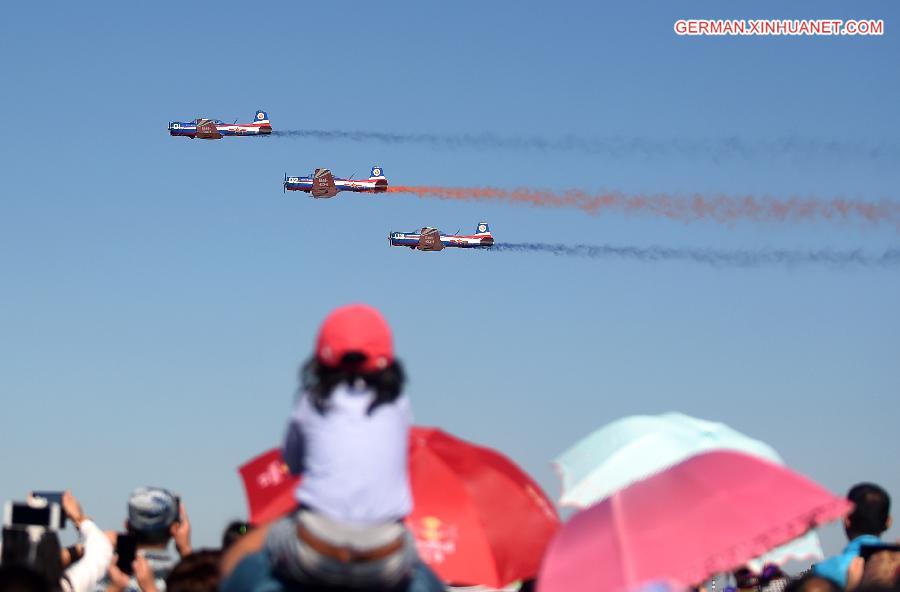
302 401
401 405
253 574
834 568
856 545
303 408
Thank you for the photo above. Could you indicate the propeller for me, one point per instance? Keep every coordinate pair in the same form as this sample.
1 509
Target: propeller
284 185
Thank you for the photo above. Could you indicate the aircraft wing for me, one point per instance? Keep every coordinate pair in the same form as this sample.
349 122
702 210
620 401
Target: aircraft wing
323 184
207 130
430 240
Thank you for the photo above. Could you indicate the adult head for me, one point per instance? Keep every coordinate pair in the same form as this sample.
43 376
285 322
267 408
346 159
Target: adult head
235 530
23 578
16 547
354 347
153 515
882 569
871 511
812 583
41 555
48 557
197 572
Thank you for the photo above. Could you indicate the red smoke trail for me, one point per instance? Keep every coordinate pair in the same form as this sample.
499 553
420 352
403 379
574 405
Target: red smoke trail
721 208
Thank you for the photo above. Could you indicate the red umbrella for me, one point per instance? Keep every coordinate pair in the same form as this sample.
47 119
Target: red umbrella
708 514
478 518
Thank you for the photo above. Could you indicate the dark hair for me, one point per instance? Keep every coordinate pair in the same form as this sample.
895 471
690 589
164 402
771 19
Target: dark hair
150 538
875 588
16 547
812 583
45 562
320 380
197 572
22 578
48 558
235 530
871 511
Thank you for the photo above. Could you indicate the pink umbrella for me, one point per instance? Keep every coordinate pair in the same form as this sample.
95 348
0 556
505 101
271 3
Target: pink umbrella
708 514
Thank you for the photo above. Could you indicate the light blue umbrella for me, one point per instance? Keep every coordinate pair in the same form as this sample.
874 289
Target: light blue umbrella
639 446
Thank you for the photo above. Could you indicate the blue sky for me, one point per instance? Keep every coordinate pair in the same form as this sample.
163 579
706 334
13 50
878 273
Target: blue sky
158 294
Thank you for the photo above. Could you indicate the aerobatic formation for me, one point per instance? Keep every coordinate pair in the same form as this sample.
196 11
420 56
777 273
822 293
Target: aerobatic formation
724 209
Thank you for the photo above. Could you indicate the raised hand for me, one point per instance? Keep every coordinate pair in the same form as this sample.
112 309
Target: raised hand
72 508
143 574
181 532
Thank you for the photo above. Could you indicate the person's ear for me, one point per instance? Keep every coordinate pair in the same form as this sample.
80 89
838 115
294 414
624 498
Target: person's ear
889 523
846 522
173 528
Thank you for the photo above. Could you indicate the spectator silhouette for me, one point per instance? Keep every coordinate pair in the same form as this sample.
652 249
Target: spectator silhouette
197 572
233 532
155 517
870 518
348 437
43 555
19 577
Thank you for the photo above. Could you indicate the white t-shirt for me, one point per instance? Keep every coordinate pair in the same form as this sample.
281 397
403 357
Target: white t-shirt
354 464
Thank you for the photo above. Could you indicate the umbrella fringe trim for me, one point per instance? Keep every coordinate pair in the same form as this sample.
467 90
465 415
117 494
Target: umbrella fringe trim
739 554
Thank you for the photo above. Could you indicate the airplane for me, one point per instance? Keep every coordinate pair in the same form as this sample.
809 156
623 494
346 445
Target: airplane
431 239
323 184
213 129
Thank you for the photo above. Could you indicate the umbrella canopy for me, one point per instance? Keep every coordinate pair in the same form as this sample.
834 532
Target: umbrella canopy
636 447
708 514
478 519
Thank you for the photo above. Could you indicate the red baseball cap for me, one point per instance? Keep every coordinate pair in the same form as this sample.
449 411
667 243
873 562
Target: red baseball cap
355 328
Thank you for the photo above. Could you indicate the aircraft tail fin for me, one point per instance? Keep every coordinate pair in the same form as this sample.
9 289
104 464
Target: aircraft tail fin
377 172
261 117
483 228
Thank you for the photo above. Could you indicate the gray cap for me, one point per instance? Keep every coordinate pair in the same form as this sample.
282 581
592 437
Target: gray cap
152 508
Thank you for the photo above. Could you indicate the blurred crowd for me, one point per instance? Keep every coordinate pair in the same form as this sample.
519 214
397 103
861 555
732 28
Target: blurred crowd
347 436
139 558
